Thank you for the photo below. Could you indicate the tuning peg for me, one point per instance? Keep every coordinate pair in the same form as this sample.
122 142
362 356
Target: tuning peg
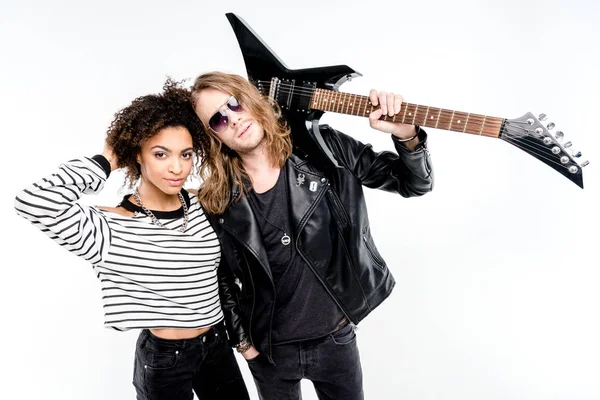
542 117
550 126
559 135
576 153
568 144
585 163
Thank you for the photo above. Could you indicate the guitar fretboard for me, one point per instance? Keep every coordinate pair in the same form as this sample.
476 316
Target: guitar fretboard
413 114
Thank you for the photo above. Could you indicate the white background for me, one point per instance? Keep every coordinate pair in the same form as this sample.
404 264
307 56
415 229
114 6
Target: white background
497 269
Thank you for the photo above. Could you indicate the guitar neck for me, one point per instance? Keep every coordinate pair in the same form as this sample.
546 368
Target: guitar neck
412 114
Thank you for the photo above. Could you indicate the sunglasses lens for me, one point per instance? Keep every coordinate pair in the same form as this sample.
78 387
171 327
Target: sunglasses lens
234 105
218 122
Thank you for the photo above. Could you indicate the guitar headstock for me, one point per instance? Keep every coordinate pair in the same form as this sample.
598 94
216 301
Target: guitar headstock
533 137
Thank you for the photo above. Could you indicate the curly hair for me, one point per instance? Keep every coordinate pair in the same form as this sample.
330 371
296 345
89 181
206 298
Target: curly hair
145 117
222 168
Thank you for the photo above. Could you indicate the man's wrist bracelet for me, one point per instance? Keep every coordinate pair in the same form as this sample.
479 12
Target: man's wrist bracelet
409 139
243 346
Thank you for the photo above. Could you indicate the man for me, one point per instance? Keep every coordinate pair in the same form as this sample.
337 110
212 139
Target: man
296 238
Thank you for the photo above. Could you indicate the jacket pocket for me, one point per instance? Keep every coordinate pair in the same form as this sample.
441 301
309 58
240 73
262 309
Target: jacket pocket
371 250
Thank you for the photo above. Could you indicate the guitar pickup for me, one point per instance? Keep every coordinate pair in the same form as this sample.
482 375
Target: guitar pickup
292 96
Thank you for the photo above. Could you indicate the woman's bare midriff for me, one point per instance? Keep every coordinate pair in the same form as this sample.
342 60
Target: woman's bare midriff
175 334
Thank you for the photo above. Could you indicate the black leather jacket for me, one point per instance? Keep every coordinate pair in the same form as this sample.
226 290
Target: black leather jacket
331 233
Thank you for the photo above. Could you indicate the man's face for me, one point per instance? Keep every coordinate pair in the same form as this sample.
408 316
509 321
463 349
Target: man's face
241 133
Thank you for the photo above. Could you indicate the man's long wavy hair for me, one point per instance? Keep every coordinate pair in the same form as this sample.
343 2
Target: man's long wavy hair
221 168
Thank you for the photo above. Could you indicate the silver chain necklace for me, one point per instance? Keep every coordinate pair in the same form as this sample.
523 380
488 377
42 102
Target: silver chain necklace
155 220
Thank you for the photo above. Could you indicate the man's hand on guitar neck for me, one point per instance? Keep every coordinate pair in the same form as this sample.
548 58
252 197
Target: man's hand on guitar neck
390 104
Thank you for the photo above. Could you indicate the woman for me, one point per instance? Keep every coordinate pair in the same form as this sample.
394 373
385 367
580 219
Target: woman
155 254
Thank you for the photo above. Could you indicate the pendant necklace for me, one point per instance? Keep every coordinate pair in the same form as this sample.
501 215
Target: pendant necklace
155 220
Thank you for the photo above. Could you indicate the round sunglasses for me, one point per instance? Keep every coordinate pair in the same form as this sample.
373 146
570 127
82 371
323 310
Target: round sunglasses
219 121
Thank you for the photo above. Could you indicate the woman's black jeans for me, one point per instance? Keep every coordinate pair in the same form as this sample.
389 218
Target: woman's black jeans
171 369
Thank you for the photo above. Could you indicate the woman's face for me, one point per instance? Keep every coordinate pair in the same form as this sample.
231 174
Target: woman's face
166 159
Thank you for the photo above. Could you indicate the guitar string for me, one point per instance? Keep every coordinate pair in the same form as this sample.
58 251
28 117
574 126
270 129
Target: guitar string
549 161
528 148
474 121
537 148
309 93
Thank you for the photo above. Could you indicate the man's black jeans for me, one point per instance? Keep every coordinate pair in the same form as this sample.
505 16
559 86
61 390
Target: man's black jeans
171 369
332 363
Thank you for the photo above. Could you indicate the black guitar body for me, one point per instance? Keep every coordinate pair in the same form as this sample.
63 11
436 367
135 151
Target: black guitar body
262 65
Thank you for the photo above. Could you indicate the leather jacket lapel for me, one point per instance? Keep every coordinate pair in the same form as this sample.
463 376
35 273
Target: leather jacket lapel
306 187
239 220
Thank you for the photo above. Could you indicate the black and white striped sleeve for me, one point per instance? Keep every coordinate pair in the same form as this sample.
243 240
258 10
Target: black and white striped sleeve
51 205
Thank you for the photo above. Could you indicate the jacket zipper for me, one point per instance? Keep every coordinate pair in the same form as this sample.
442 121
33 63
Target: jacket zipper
312 267
337 206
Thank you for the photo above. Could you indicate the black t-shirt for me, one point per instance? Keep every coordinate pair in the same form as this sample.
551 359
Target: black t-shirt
303 308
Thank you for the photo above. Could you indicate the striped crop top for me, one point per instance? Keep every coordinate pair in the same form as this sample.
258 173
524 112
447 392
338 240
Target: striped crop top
151 276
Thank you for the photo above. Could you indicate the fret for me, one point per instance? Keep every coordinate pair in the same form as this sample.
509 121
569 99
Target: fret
465 128
348 103
320 100
426 114
438 118
415 114
332 102
451 119
482 125
405 108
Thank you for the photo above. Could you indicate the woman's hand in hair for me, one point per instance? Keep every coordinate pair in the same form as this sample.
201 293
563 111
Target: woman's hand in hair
110 156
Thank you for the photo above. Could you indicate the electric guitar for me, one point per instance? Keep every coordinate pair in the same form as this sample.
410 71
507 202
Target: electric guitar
305 94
